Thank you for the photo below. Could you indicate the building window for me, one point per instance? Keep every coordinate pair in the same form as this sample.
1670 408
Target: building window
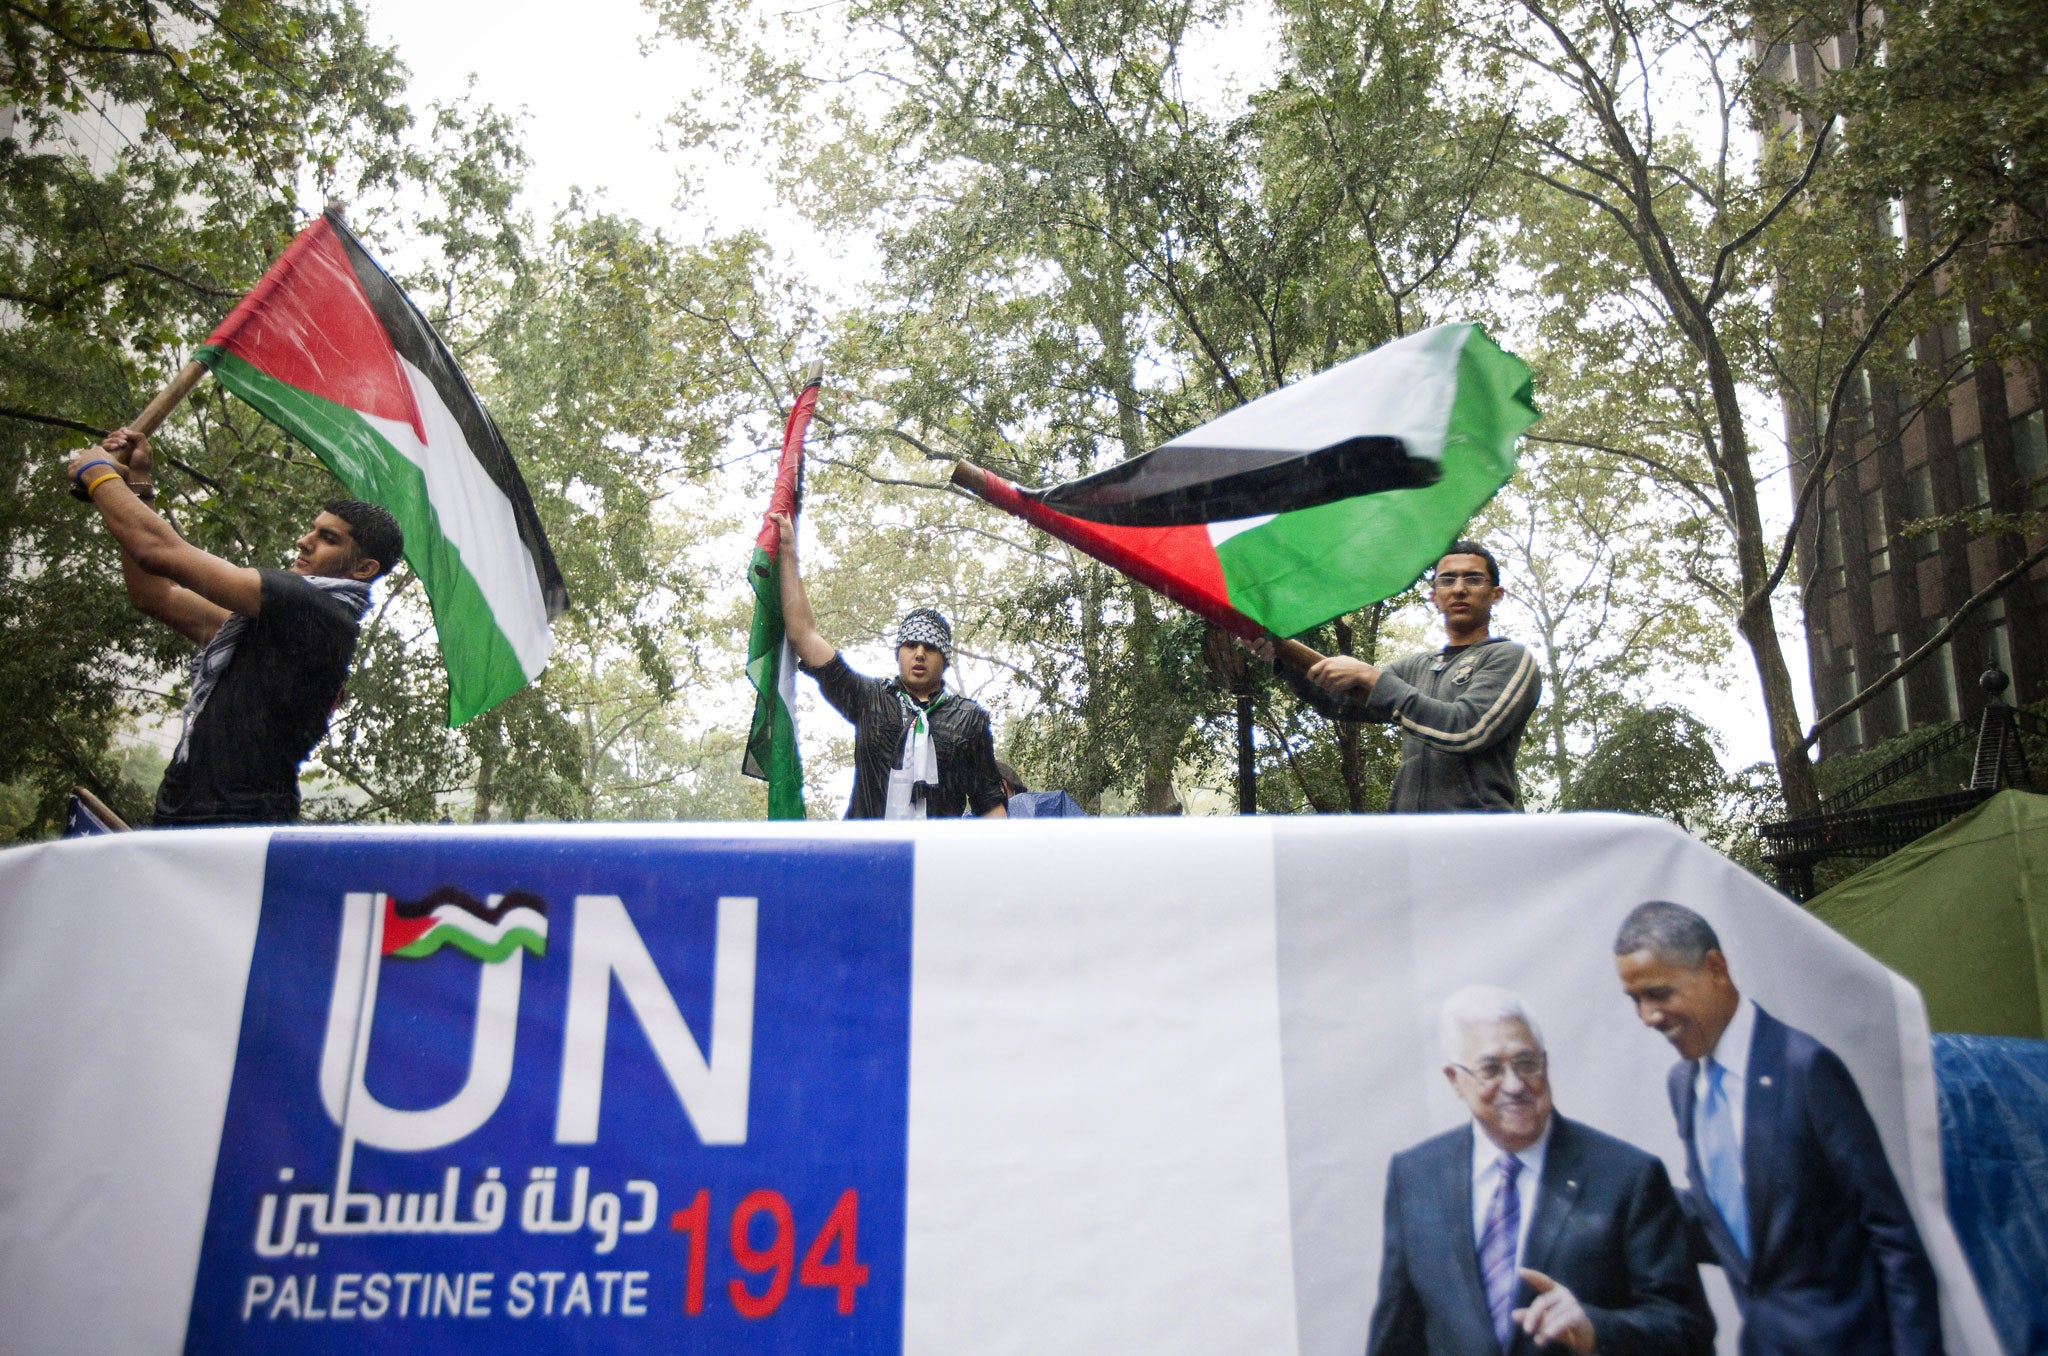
1920 507
1863 414
1892 701
2001 637
1960 334
1944 661
1895 217
1846 658
2030 452
1877 538
1976 478
1833 577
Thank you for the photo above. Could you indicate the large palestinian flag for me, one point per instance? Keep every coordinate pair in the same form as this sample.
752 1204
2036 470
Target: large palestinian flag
328 347
771 662
1322 497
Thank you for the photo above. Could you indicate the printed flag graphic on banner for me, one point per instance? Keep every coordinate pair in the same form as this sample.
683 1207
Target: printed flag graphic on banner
771 663
450 916
1319 498
328 347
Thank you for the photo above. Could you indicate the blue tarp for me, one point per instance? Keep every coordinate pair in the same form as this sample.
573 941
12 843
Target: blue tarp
1045 805
1994 1151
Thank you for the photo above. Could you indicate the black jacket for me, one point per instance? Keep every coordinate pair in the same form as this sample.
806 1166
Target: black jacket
1607 1227
960 734
1836 1264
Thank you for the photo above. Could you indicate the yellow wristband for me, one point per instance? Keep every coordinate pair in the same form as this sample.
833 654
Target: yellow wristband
98 481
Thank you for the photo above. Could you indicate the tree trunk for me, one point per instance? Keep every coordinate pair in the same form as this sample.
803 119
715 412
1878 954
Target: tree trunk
1755 621
1093 777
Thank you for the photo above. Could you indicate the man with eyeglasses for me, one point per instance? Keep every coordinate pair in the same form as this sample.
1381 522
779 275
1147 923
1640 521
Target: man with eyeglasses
1524 1230
1461 709
1789 1190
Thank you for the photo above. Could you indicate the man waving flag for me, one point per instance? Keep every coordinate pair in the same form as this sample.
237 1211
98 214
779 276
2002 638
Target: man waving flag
328 347
771 663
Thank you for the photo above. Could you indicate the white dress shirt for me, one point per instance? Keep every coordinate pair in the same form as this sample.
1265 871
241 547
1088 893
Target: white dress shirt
1731 1052
1486 1180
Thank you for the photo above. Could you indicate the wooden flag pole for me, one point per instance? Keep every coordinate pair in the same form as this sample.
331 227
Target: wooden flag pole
156 411
114 822
974 480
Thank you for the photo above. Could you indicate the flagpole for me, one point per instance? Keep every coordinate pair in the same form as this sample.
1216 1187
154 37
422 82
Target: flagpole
156 411
1293 653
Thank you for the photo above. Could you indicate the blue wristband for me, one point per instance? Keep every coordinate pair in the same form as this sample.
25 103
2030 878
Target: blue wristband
78 476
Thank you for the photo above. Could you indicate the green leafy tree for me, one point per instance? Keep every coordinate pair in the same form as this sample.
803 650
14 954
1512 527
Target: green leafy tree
1656 760
148 170
1706 222
1082 260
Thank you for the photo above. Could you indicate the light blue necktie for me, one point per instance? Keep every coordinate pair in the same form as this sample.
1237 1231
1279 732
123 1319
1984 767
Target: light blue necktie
1721 1158
1497 1249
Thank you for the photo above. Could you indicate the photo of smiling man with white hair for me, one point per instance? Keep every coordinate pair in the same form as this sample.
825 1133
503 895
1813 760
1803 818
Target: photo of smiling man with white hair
1523 1230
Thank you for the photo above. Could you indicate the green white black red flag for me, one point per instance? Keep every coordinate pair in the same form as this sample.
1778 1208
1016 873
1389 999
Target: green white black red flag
328 347
771 663
1324 496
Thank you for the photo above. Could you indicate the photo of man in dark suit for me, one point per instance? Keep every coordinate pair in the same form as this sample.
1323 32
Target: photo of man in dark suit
1789 1190
1524 1230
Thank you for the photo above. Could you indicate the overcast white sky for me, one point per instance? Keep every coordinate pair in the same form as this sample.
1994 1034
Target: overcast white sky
594 110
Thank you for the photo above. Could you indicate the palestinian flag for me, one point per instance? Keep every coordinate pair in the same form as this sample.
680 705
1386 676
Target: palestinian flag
1322 497
329 348
771 663
453 917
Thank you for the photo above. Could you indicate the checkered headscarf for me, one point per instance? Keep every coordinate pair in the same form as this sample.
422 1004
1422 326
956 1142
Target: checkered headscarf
926 627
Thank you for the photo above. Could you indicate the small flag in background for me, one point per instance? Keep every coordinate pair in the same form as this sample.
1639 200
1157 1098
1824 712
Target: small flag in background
771 663
330 349
449 916
1325 496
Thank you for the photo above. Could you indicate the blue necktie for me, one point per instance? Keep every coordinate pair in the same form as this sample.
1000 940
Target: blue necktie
1497 1249
1721 1158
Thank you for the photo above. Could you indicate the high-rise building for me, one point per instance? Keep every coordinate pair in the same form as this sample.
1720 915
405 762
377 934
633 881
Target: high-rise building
1873 593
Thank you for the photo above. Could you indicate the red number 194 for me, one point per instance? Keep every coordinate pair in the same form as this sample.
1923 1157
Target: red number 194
830 1263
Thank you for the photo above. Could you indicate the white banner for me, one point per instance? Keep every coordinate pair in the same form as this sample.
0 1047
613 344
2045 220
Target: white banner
1072 1086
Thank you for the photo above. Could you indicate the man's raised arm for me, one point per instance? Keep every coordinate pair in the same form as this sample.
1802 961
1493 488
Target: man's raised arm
168 578
797 621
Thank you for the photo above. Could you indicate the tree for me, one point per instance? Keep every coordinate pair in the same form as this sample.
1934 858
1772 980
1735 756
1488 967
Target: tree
1700 232
1083 260
147 175
1656 760
619 364
1604 579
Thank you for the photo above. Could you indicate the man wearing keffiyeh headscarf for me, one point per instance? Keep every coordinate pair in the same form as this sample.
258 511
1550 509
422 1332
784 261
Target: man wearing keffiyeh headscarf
919 751
275 645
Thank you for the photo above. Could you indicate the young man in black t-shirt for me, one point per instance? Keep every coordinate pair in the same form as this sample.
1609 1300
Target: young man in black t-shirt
275 644
919 751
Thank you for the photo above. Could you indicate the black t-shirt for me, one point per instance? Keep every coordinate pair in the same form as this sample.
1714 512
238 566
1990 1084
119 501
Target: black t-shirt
268 708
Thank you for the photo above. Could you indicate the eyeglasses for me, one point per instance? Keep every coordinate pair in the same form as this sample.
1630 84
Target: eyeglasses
1475 580
1491 1073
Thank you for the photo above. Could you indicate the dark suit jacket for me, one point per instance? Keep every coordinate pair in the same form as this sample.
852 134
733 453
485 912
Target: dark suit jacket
1607 1226
1836 1267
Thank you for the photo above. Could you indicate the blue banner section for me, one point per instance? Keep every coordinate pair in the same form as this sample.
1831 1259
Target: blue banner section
506 1094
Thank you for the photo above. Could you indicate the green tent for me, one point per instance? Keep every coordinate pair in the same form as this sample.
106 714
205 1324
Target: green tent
1963 913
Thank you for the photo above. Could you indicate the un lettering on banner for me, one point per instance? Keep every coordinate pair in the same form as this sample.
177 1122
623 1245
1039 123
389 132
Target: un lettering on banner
494 1094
